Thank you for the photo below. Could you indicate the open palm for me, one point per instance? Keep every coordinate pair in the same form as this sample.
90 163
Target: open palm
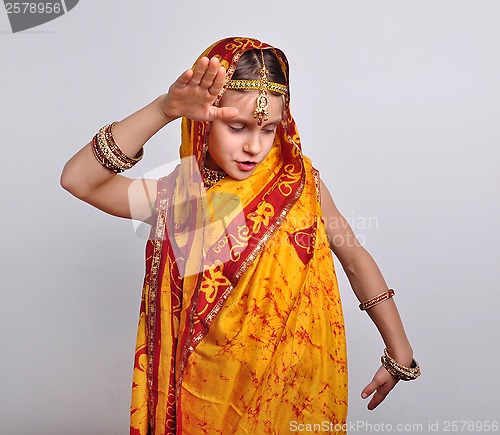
192 95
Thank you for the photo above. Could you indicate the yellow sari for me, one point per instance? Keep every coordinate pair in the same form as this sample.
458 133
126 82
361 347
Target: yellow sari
241 327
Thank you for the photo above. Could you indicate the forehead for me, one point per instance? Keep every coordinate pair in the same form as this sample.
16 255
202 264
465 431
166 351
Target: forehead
245 101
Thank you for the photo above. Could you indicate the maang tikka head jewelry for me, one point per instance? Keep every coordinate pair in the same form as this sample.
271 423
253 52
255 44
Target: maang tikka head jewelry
261 112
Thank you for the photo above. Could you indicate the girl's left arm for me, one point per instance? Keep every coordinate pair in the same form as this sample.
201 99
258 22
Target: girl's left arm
367 281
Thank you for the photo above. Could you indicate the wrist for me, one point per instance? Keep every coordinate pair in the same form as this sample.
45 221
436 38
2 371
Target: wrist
403 354
163 107
400 370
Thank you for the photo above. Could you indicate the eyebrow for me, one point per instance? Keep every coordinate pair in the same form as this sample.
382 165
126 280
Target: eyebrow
251 120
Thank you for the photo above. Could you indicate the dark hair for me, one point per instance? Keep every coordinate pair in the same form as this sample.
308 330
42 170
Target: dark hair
250 64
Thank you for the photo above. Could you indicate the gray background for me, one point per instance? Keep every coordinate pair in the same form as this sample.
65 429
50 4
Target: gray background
397 103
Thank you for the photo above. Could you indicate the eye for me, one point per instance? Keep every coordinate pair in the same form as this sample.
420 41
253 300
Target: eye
269 130
236 127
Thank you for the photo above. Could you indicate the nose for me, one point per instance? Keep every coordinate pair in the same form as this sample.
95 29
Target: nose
253 145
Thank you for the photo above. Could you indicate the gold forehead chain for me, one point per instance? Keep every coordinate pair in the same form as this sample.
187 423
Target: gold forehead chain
261 112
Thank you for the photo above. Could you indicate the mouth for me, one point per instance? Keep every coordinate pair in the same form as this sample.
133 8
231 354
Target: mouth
246 166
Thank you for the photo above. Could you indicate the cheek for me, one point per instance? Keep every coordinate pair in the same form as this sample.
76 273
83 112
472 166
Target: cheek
271 142
214 139
220 143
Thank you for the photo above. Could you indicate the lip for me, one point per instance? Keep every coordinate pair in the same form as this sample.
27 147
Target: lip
246 166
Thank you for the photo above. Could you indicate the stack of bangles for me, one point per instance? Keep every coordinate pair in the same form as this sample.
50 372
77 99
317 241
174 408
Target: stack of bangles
398 370
108 154
390 364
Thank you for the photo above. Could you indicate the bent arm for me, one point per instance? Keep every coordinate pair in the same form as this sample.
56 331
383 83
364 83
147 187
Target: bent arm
365 278
84 177
192 95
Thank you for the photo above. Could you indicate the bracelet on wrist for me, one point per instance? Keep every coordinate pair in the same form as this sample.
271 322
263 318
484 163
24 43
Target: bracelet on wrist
109 154
400 371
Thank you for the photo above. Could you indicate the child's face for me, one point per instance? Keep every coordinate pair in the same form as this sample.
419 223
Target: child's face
238 145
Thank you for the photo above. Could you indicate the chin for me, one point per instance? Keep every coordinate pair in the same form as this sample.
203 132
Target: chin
239 177
236 174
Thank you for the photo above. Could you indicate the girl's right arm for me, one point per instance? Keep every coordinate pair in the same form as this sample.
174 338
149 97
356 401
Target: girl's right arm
192 96
84 177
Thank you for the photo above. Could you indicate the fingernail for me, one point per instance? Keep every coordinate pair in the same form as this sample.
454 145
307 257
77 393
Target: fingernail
364 395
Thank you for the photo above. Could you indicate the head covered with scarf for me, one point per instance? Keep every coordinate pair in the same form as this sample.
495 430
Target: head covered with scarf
204 245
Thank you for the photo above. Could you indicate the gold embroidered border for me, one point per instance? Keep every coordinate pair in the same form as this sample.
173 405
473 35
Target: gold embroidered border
211 316
188 349
271 230
153 290
317 180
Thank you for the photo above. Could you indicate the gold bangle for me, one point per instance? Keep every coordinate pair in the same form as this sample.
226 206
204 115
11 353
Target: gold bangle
116 149
109 154
110 161
398 370
377 300
100 155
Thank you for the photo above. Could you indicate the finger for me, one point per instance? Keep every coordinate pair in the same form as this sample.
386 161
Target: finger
379 396
210 73
184 78
382 383
369 389
228 112
218 81
199 70
225 113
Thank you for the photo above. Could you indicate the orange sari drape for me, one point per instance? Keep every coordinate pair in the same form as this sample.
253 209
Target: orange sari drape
241 327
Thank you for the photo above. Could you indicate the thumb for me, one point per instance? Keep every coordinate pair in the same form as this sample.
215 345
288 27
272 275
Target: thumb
225 113
369 389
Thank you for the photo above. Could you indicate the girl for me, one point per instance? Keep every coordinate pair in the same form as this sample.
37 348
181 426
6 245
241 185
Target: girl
241 327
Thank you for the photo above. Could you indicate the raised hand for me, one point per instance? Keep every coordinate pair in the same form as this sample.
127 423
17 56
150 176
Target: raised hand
194 92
